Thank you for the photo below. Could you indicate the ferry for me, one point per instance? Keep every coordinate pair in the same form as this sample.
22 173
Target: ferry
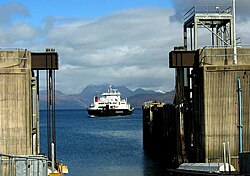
109 104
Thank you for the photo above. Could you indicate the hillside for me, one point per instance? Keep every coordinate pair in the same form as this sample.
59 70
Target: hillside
139 99
84 99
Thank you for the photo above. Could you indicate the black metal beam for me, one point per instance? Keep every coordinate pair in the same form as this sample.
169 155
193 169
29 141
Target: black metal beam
182 59
44 61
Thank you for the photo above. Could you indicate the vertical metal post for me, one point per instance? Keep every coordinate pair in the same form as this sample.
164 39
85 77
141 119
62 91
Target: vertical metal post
195 34
34 115
53 157
32 166
51 118
225 36
34 147
1 165
48 115
212 35
240 114
45 167
11 166
54 113
224 156
229 157
38 167
217 38
185 37
38 114
38 127
234 33
26 166
191 39
9 171
186 73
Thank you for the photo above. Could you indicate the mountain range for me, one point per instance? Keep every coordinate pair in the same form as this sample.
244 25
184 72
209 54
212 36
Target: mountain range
85 98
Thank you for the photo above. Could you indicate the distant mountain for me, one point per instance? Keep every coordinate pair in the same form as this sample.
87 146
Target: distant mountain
63 101
85 98
138 99
142 91
97 90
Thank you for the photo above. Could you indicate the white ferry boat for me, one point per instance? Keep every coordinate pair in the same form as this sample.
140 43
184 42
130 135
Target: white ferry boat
109 104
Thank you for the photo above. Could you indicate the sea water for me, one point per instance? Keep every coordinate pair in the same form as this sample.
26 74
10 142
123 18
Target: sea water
106 146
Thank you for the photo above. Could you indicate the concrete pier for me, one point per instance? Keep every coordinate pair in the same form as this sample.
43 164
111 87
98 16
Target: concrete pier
206 108
15 102
19 110
159 132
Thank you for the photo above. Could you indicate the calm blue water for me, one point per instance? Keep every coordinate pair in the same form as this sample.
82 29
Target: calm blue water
107 146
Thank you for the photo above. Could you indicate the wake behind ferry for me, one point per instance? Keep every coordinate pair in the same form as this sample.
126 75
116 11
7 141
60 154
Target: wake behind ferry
109 104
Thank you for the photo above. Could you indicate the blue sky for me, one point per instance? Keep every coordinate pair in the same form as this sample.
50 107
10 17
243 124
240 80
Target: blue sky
80 9
118 42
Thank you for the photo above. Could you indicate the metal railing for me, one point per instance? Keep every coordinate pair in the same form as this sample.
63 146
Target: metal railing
227 56
12 49
23 165
207 10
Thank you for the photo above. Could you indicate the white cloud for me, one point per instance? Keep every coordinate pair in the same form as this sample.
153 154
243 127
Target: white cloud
11 9
18 33
129 47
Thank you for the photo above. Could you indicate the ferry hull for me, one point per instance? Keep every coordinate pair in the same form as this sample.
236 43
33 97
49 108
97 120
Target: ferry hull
109 112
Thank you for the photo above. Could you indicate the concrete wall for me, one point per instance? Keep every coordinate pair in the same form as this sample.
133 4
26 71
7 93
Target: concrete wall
223 56
15 102
216 104
221 109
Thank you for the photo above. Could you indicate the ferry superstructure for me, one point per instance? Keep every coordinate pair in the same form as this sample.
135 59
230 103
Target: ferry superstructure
109 104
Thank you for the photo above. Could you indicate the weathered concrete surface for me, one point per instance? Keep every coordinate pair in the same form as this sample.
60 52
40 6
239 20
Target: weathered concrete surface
223 56
15 102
